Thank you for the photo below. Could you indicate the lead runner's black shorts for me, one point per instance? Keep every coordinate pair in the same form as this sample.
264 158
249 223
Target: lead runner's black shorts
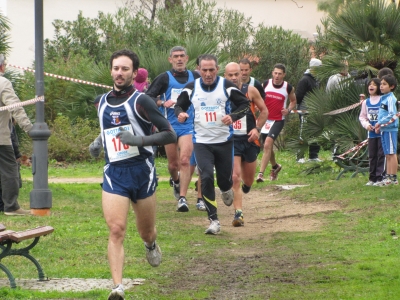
247 151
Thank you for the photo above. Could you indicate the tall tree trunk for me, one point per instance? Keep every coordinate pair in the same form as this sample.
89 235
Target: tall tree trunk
153 11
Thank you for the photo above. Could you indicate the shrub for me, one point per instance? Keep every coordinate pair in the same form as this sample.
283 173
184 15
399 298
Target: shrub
69 141
275 45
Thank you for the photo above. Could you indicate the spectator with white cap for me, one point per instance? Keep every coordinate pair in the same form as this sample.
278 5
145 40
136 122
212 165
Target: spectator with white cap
306 84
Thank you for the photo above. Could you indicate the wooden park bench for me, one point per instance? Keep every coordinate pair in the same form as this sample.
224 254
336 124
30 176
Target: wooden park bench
357 163
8 240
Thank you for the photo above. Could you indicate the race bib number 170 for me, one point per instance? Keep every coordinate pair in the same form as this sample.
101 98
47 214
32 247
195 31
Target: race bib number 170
115 149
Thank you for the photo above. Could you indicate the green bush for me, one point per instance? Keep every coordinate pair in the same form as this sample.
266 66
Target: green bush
69 141
275 45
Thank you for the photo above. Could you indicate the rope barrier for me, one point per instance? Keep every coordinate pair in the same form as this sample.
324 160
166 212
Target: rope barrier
396 116
356 148
340 110
24 103
299 111
63 77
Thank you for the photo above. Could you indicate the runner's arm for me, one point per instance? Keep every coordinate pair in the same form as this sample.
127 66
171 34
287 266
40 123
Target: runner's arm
148 110
239 99
292 99
158 87
259 102
183 102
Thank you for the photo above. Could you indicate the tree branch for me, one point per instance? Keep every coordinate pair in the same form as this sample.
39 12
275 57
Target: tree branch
297 4
302 5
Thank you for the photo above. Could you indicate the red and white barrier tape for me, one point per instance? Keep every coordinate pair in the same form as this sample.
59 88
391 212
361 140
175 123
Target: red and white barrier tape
396 116
340 110
356 148
299 111
24 103
63 77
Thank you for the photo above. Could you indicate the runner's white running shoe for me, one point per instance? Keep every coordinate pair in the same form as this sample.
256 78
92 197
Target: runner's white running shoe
227 197
117 293
214 227
153 255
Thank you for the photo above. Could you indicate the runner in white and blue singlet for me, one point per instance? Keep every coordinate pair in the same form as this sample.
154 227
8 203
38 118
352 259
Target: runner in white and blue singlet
211 97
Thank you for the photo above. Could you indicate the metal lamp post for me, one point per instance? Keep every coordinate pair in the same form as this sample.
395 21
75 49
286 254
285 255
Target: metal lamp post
40 196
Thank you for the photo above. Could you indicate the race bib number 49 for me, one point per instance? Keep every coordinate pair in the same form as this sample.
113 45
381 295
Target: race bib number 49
210 115
115 149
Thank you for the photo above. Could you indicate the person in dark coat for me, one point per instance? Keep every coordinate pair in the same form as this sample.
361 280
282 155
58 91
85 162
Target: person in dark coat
306 84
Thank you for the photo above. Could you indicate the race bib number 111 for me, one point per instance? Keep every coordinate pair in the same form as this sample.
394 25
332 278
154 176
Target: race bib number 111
210 116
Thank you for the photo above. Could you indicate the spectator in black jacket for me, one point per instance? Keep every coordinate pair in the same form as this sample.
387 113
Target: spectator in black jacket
15 145
306 84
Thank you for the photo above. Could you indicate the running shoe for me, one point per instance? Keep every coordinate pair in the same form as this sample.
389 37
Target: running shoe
227 197
378 183
369 183
395 182
301 160
182 205
214 227
238 219
274 172
117 293
386 181
176 189
245 188
260 177
200 205
153 255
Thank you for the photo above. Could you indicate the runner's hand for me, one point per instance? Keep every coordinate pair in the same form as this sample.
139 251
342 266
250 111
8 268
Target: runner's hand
128 138
95 147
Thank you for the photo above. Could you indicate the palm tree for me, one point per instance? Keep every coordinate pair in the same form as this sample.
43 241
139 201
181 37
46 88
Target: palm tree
4 35
366 34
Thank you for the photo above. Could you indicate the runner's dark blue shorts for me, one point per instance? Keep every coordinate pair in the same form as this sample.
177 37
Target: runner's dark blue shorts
135 181
247 151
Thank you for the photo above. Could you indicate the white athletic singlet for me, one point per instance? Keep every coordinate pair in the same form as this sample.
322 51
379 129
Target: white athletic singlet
209 108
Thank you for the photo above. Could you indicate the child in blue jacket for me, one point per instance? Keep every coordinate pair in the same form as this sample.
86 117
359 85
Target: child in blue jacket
387 125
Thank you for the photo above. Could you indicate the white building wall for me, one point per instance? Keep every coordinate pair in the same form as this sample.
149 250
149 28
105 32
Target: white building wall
302 18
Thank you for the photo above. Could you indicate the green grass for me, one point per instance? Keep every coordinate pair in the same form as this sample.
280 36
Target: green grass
353 256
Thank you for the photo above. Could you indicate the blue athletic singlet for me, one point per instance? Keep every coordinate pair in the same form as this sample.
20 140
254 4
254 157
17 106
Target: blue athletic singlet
372 113
172 93
112 117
